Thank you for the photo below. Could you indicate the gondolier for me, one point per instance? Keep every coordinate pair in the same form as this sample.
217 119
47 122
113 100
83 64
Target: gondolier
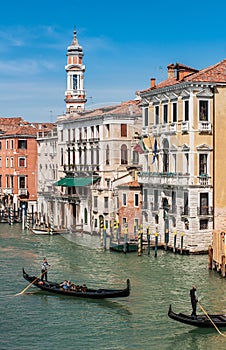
45 266
194 299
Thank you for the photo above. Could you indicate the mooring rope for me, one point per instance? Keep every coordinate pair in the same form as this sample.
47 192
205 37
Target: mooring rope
223 335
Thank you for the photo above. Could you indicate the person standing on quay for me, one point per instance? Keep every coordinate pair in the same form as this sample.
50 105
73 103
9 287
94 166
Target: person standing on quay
45 266
194 300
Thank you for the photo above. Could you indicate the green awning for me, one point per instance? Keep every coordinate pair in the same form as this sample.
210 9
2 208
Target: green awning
76 181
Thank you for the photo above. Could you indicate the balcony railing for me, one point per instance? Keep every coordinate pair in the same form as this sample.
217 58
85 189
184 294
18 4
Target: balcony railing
155 130
184 211
164 128
173 127
8 190
22 191
166 178
80 167
145 131
205 127
204 179
185 127
205 211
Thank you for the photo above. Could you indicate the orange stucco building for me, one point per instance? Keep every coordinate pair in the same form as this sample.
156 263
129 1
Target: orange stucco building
18 164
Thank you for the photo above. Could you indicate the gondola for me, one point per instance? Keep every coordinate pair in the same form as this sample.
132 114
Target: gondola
39 231
201 321
78 291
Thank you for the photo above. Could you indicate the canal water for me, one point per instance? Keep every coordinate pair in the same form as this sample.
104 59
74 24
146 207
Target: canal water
36 320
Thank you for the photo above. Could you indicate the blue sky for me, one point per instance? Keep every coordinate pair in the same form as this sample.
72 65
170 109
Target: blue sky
124 44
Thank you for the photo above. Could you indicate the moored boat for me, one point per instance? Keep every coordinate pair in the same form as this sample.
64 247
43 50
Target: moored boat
124 247
39 231
202 321
78 291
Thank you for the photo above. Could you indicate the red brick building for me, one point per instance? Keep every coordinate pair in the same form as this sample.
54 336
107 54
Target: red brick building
130 208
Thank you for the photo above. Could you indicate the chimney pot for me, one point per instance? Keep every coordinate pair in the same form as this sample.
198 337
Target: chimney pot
171 68
153 82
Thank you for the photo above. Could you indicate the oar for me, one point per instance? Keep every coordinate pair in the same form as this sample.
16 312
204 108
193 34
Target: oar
202 308
30 284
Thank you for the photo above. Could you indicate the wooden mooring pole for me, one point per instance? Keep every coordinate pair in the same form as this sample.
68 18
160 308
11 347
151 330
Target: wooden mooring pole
223 265
181 242
210 257
175 241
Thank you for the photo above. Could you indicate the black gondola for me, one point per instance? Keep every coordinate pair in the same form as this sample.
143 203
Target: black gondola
201 321
78 291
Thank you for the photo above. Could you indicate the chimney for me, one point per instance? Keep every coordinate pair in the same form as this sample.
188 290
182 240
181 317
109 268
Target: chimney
170 71
152 83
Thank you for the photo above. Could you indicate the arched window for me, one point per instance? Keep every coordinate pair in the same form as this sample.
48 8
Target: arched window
165 156
61 156
124 154
85 216
107 155
97 155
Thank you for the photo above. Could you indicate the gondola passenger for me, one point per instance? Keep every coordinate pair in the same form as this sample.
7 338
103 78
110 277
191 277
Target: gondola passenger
64 285
69 285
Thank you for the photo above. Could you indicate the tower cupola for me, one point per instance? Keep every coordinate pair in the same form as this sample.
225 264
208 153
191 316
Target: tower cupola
75 95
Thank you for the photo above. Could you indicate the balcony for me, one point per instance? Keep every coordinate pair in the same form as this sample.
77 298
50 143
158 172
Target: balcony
185 211
145 131
204 179
94 139
173 128
80 168
205 210
184 127
95 209
22 192
169 179
8 191
73 199
155 130
205 127
164 128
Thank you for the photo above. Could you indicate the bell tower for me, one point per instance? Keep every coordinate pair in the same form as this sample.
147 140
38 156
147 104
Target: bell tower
75 95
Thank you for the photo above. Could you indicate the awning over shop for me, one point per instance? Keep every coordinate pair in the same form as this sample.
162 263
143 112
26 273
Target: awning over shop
76 181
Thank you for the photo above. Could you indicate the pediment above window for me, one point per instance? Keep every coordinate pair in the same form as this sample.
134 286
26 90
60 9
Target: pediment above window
173 96
185 148
204 93
185 94
173 149
204 147
164 98
155 100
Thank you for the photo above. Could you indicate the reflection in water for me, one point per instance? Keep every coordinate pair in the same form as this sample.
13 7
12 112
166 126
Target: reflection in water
138 322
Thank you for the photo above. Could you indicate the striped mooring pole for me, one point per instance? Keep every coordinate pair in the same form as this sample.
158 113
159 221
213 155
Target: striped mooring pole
28 221
156 243
149 240
51 225
125 239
